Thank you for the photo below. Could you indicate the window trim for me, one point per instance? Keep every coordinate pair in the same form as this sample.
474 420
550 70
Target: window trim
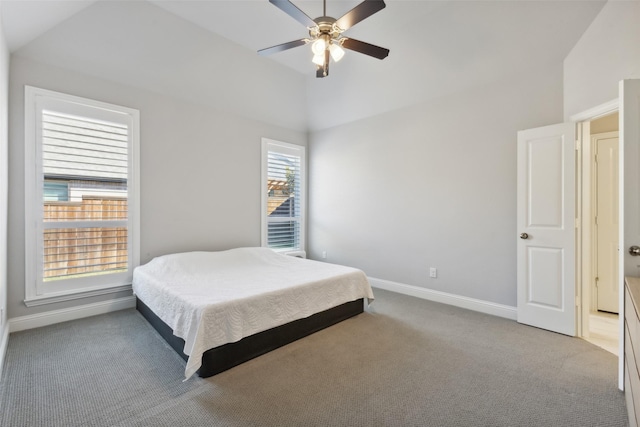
294 150
39 295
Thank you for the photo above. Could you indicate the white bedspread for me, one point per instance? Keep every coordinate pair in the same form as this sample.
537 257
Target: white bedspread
213 298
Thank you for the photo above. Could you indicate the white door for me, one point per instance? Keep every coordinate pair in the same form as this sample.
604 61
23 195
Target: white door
629 194
546 221
606 221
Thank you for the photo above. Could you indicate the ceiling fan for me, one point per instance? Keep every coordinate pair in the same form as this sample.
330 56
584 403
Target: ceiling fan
325 33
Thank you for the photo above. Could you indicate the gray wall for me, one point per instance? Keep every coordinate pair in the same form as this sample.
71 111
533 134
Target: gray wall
200 170
430 186
609 51
4 171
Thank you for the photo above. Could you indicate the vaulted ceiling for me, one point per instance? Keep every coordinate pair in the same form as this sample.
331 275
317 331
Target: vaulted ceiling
437 47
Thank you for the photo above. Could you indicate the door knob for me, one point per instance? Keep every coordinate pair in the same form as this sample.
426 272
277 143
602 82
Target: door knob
634 250
526 236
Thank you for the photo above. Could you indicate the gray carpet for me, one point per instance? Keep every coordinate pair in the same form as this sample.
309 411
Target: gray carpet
405 362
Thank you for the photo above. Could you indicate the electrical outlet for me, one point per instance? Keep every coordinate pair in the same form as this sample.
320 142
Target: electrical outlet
433 272
324 254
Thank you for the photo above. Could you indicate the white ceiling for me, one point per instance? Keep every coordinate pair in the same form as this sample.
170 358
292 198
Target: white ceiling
437 47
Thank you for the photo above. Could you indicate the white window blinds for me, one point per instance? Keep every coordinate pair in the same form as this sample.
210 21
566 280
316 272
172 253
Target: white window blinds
85 148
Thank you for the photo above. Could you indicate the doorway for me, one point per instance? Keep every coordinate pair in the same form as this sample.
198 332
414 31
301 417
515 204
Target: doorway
600 296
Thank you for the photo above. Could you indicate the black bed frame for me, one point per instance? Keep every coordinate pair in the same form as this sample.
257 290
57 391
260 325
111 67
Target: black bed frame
227 356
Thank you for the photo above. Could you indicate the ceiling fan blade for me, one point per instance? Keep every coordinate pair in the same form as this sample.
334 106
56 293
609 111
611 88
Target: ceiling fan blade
366 48
292 10
283 46
360 12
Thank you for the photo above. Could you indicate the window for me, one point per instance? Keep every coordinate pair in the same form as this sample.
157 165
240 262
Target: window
56 191
81 203
283 196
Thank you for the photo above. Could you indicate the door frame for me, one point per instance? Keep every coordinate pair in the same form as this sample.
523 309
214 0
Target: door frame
584 241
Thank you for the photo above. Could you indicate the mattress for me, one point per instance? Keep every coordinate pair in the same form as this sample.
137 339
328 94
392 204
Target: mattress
214 298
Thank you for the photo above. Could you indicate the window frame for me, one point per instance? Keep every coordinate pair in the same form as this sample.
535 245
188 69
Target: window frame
37 291
291 150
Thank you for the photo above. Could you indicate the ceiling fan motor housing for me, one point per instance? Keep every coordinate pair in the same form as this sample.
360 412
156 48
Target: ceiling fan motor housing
325 25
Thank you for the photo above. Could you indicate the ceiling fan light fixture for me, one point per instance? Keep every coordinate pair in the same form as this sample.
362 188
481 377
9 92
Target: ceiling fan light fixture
319 46
336 52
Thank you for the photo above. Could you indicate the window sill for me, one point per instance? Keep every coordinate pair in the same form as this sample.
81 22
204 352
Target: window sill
54 298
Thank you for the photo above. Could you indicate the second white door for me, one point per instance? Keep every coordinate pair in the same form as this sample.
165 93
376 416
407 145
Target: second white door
606 221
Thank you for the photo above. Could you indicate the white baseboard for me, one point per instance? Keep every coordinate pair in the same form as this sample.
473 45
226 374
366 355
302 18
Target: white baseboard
57 316
487 307
4 343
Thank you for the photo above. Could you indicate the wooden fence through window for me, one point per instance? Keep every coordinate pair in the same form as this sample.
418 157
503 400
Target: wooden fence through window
87 250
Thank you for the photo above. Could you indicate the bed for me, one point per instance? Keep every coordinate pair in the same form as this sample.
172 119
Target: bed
219 309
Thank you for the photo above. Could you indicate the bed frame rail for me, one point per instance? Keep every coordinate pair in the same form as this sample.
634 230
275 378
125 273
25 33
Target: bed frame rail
227 356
